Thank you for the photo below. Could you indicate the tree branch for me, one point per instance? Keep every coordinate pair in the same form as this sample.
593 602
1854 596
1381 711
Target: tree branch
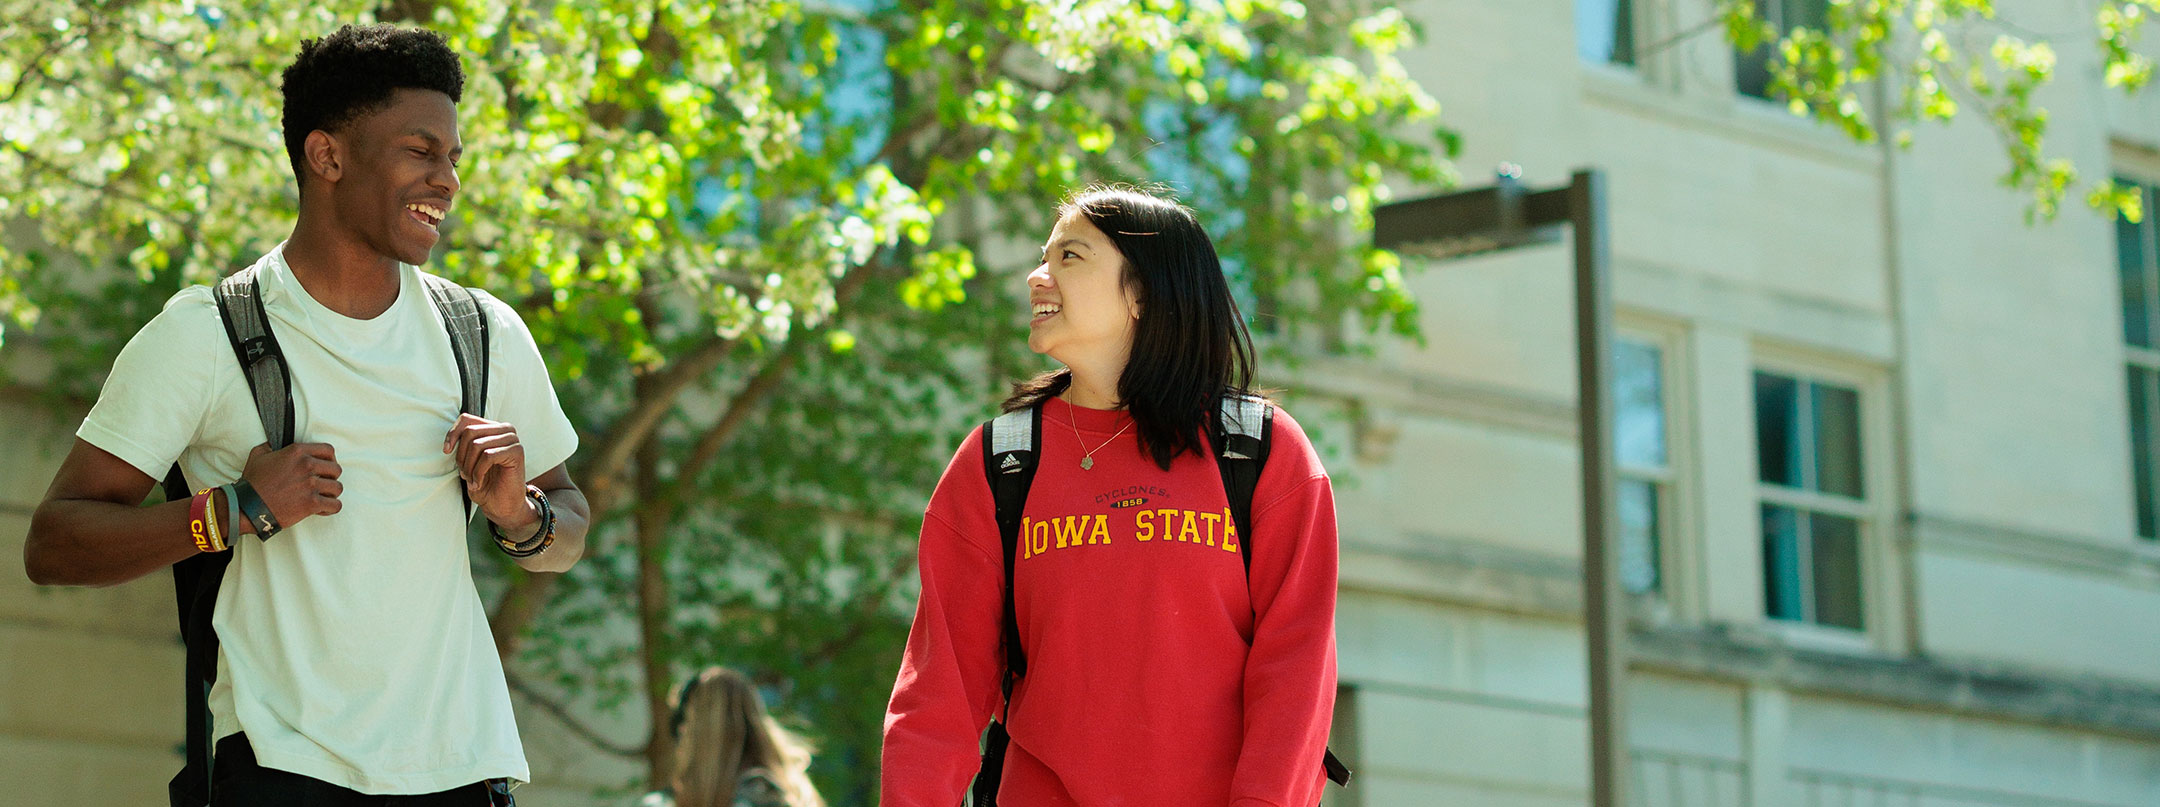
867 602
522 601
562 715
107 190
36 66
762 386
1693 31
657 397
738 410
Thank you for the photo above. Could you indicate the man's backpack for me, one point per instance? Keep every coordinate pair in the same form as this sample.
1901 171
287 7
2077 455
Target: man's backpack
1240 439
262 362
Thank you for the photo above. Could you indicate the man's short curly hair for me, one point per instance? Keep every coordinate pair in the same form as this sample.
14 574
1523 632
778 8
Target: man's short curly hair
354 71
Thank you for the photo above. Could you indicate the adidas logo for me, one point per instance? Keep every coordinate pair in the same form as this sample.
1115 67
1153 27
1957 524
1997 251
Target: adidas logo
1011 462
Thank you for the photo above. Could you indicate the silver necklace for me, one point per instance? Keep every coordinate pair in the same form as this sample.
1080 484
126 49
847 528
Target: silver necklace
1087 460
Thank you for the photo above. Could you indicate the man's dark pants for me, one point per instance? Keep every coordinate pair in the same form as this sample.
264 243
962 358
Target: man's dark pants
240 782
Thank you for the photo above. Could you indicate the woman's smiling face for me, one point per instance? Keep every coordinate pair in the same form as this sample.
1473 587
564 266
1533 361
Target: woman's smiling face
1082 309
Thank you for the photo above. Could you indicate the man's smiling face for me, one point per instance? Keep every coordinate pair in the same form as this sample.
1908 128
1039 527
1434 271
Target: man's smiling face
399 174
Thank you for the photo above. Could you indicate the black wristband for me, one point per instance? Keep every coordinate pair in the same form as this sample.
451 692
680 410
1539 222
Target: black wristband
257 513
540 540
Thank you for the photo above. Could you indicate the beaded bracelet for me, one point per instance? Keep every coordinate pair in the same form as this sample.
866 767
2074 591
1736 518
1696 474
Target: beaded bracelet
540 540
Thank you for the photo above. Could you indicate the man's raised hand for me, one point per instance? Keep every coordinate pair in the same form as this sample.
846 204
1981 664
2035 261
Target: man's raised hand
295 482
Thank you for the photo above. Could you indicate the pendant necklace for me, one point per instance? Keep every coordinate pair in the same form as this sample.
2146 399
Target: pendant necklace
1087 460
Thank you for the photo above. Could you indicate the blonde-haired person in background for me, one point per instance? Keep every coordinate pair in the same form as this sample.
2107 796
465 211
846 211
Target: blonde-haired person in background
729 752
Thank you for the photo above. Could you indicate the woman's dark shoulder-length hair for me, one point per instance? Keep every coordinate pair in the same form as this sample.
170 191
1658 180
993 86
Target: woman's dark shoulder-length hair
1190 344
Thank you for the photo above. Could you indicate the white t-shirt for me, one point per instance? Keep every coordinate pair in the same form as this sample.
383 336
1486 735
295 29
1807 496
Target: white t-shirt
354 648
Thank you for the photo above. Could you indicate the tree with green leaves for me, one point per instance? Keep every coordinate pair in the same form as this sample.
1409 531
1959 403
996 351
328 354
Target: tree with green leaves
772 251
1936 58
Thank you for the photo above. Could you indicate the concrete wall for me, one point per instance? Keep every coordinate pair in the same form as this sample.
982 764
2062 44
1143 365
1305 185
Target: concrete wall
93 712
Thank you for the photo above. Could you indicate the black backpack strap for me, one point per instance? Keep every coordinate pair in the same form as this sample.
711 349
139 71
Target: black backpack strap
467 325
1011 443
1337 772
1242 430
1243 434
196 580
195 595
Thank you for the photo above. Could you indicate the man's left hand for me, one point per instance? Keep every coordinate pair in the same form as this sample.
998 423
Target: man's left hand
491 462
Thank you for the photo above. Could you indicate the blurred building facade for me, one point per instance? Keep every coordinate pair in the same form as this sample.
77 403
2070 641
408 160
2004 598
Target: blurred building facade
1887 492
1886 451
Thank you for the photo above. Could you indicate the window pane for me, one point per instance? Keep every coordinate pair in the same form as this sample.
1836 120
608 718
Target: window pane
1751 71
1638 405
1836 562
1605 31
1639 532
1805 14
1777 442
2130 260
1837 440
1782 583
2141 447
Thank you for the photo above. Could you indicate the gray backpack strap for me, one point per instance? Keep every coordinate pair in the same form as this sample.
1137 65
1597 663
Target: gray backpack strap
461 316
262 362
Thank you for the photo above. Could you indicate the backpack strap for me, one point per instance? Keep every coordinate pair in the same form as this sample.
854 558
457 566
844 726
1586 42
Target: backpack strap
1242 433
1011 443
196 579
461 317
262 362
195 596
468 328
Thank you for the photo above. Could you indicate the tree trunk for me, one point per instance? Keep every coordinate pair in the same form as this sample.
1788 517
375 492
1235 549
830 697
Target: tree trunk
651 521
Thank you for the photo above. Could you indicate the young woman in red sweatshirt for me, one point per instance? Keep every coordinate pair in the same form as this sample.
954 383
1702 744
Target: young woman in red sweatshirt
1159 672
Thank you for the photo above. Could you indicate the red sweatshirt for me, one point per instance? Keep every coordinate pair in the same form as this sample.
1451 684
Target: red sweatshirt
1158 673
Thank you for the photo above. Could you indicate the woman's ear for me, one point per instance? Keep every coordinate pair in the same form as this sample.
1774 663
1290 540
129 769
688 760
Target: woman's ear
1132 301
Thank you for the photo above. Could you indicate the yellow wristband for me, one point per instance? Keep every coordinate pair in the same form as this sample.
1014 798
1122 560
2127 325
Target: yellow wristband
199 520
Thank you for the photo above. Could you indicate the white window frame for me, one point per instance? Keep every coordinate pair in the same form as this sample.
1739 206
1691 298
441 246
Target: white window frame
1678 595
1880 595
2143 358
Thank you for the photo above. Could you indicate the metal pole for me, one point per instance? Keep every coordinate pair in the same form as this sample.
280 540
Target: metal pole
1604 606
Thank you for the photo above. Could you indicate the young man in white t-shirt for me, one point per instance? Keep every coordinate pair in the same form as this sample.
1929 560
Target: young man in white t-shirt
355 659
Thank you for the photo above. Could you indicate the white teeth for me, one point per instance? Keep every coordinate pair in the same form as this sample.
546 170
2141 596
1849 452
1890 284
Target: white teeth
1045 308
429 211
